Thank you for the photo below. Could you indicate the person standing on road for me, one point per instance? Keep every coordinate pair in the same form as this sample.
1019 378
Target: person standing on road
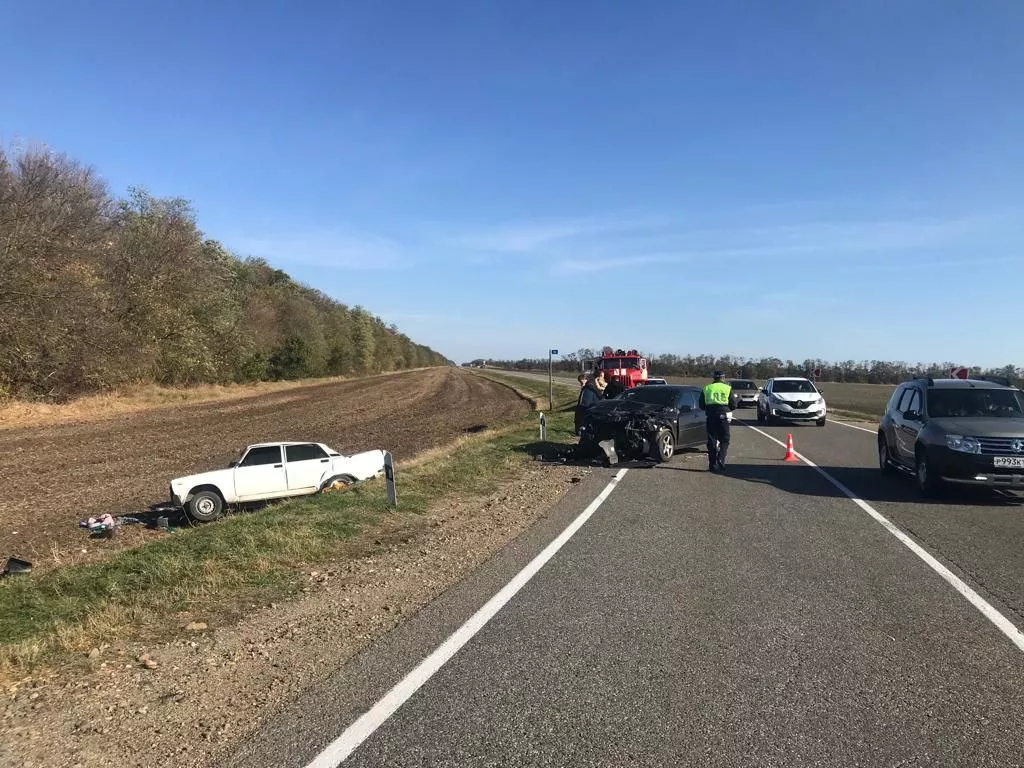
590 394
717 400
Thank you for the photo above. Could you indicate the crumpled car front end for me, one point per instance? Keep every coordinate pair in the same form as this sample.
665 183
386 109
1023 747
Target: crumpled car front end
624 430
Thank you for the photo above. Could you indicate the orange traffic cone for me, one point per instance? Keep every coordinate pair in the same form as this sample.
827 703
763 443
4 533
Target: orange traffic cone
790 454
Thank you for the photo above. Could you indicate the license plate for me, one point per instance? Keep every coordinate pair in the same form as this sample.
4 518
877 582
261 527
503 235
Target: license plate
1016 462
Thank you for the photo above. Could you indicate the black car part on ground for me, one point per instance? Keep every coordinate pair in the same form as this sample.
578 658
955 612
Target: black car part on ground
627 428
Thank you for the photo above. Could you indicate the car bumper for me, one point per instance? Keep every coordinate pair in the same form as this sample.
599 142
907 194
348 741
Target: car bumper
974 469
1015 482
747 402
815 415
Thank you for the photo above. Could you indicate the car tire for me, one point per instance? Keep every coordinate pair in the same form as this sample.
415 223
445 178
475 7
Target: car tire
664 447
821 422
884 459
760 414
337 483
205 506
928 483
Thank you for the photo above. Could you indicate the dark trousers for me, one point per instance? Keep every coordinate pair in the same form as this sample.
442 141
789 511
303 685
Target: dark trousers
718 439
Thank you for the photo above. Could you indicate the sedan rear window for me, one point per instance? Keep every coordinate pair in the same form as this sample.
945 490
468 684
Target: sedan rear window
742 385
307 452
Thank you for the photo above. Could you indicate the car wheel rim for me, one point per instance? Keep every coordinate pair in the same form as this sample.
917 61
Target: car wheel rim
666 446
206 506
883 456
922 473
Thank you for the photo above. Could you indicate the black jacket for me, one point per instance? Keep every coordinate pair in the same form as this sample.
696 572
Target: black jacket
589 396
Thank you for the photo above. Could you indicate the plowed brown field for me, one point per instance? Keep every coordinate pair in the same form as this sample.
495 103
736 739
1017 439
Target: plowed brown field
51 477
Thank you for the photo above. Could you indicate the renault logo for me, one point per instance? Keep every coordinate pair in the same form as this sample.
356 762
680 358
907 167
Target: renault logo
1017 446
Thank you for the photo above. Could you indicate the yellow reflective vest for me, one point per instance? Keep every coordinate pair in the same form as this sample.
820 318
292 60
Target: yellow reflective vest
717 393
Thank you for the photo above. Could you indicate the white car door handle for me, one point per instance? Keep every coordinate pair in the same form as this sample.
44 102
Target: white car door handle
278 466
324 461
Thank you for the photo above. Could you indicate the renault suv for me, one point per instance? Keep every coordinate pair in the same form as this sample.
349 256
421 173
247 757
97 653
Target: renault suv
969 432
791 398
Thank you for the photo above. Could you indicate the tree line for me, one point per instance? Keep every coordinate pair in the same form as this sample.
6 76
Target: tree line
97 292
701 366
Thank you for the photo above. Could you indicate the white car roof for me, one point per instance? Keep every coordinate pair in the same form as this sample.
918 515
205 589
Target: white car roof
790 378
292 442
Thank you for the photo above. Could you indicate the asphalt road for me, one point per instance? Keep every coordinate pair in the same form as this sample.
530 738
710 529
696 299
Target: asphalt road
756 619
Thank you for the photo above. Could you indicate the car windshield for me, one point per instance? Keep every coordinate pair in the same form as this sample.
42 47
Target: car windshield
793 385
609 363
657 395
956 403
742 385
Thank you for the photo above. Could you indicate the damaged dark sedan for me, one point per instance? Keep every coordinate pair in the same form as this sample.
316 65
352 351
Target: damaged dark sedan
645 423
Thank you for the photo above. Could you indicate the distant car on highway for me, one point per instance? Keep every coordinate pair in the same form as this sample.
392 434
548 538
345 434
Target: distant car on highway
272 471
746 392
652 381
791 398
968 432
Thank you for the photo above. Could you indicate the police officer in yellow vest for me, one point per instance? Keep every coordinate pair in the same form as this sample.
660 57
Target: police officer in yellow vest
718 400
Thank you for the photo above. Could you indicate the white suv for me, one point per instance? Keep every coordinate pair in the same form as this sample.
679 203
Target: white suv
790 398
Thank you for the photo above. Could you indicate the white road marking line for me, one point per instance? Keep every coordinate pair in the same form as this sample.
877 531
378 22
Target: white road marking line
1003 624
854 426
339 749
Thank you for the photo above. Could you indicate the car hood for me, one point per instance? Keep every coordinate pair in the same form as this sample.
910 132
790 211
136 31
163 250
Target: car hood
792 397
617 408
202 478
982 427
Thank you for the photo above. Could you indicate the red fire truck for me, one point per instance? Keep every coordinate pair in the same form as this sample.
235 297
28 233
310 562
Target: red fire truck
626 367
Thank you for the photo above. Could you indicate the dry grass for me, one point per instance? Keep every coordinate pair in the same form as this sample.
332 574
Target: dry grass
147 397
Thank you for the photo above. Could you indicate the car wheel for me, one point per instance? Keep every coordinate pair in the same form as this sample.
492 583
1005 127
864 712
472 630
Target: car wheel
205 506
821 422
664 445
760 415
928 482
339 483
884 461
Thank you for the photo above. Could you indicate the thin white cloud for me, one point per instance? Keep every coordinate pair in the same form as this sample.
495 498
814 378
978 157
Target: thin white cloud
831 243
324 248
537 236
577 266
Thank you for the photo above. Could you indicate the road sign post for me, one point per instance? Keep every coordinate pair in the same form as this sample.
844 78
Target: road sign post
551 380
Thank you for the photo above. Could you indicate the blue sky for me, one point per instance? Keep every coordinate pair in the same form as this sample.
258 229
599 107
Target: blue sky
801 179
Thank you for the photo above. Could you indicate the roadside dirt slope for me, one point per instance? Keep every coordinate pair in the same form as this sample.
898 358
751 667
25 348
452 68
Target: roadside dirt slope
51 477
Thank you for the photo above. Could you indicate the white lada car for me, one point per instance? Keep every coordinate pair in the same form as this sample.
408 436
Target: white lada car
272 471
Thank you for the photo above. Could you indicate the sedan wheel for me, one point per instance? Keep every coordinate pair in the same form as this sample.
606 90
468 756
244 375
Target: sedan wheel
664 445
205 506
